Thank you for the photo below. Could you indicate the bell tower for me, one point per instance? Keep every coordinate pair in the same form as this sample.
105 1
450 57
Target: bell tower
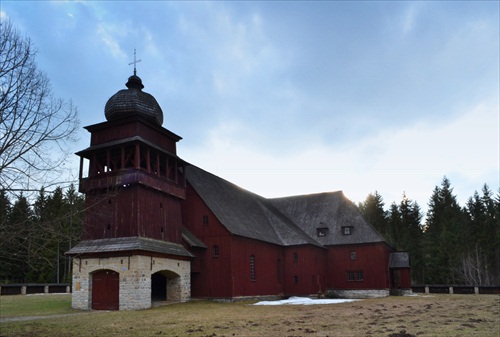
134 186
135 180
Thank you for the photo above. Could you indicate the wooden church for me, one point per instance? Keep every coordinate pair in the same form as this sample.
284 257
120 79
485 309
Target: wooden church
159 228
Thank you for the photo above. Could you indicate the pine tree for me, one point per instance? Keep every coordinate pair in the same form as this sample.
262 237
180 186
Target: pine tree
74 205
5 248
445 223
19 241
394 227
373 210
411 217
479 264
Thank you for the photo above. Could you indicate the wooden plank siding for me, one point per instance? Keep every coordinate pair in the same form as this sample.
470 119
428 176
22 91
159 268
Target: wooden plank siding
304 272
113 131
371 259
211 274
263 280
133 211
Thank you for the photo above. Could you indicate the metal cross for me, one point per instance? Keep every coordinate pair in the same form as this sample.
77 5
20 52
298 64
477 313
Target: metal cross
134 63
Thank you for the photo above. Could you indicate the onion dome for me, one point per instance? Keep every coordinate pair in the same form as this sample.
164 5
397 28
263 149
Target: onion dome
133 102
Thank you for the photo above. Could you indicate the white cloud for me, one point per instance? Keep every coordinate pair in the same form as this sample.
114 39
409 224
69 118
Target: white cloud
410 16
109 35
412 160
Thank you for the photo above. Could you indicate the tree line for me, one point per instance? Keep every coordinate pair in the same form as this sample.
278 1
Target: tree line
453 244
34 237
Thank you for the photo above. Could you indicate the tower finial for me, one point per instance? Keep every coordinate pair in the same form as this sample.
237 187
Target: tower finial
135 63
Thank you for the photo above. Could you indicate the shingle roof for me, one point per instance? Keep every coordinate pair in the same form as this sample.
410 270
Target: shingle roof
285 221
133 102
399 260
192 240
331 211
244 213
128 244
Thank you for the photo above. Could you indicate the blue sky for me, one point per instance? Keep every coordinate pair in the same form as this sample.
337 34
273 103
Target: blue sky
286 98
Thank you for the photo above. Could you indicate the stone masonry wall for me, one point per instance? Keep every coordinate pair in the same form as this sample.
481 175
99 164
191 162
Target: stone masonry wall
365 293
135 279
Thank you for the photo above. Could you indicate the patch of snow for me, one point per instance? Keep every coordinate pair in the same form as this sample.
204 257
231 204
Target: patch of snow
304 301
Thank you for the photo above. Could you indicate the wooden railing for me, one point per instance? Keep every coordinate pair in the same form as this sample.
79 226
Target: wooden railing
34 288
455 289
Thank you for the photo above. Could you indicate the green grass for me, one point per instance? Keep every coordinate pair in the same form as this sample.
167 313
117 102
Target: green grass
418 316
35 305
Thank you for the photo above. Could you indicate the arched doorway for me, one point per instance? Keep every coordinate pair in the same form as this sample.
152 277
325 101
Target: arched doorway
105 290
158 287
165 286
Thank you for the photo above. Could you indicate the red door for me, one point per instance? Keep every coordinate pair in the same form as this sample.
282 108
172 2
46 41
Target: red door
105 290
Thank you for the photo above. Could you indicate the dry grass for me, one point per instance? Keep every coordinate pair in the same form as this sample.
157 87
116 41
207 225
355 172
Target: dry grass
435 315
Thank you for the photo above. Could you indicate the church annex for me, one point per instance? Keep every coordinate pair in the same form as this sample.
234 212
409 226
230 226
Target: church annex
159 228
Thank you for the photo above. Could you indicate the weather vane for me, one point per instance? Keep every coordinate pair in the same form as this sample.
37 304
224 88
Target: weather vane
135 63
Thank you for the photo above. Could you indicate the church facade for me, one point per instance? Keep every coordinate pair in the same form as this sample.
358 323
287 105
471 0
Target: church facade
159 228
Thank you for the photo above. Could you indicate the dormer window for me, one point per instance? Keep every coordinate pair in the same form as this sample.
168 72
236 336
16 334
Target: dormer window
322 231
347 230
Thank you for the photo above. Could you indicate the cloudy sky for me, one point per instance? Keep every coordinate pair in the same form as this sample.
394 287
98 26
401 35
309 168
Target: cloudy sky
286 98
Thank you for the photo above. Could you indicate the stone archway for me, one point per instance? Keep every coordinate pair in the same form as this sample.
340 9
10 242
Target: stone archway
105 290
158 287
166 286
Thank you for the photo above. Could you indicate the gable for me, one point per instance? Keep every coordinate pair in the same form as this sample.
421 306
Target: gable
330 218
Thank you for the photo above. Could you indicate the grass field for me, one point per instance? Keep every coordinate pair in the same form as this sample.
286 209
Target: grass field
434 315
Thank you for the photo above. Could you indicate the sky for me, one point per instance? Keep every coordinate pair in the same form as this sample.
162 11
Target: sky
289 97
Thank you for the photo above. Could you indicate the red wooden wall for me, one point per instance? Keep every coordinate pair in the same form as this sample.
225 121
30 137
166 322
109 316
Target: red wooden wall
131 127
133 211
371 259
305 272
228 274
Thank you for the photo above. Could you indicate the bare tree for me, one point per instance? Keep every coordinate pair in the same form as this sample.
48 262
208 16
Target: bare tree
35 127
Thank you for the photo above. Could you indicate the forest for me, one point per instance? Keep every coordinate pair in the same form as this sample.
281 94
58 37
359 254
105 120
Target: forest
36 234
451 244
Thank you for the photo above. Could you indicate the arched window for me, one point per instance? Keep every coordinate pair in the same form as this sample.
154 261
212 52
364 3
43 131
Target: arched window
353 255
252 268
279 271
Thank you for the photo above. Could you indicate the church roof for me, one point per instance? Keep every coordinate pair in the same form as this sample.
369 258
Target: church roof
317 219
128 244
133 102
324 217
244 213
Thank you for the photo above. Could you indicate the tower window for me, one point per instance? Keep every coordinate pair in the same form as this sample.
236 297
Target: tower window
205 219
295 257
215 251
